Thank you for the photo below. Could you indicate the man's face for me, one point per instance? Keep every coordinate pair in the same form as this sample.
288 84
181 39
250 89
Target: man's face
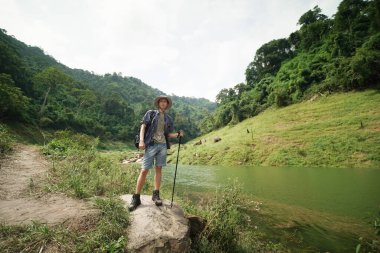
163 103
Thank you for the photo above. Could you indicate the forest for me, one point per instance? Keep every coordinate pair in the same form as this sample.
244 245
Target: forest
36 89
323 56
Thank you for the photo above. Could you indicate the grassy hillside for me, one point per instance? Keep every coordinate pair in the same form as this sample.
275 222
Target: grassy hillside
340 130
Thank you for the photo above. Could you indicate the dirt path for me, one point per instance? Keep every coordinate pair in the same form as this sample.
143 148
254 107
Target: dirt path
22 176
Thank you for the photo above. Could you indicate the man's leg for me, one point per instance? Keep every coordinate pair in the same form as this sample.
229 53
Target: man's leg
157 182
147 164
157 178
139 185
141 180
160 161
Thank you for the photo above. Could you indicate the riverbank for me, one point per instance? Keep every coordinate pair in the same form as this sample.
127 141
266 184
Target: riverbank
339 130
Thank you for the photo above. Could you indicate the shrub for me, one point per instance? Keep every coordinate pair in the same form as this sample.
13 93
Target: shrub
6 140
228 228
65 142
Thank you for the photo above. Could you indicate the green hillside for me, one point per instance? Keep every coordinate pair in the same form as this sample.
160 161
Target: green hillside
326 54
340 130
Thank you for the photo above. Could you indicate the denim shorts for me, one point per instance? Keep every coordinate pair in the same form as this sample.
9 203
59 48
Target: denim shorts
155 152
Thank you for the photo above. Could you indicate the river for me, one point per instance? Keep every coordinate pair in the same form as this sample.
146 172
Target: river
349 197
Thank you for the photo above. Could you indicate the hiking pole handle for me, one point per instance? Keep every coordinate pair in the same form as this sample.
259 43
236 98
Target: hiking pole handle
175 173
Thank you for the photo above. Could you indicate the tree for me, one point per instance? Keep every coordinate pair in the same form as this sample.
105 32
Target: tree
223 96
311 16
352 24
366 63
268 60
47 81
12 64
314 27
13 104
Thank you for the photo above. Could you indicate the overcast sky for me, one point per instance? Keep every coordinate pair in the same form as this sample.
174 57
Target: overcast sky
188 48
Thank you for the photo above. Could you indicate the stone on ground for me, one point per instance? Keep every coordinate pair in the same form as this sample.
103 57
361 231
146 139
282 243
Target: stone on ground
157 229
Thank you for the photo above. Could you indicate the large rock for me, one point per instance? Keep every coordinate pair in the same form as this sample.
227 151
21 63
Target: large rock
157 229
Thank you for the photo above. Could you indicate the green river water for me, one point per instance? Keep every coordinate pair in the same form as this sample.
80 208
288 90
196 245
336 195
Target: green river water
331 207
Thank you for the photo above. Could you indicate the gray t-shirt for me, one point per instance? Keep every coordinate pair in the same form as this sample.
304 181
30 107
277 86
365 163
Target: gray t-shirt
159 136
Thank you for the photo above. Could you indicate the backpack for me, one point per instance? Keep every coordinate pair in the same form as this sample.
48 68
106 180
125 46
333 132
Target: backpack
152 114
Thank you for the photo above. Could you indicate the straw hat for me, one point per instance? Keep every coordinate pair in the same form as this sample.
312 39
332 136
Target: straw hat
165 97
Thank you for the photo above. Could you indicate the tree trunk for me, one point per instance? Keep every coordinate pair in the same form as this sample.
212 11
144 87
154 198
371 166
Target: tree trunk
45 101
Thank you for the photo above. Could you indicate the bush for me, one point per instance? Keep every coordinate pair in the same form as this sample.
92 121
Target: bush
6 140
228 228
66 142
13 103
366 63
281 97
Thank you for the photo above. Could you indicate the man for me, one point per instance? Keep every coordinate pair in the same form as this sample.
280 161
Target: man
158 126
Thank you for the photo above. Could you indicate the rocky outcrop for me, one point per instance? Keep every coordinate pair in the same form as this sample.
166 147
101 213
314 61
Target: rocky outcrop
157 229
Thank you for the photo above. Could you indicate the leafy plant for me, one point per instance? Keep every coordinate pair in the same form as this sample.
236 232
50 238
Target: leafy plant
228 227
6 140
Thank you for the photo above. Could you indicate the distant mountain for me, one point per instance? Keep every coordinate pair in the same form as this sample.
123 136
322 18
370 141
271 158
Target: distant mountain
54 96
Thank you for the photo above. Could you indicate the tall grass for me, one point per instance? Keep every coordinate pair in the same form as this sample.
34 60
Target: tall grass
6 140
81 171
229 227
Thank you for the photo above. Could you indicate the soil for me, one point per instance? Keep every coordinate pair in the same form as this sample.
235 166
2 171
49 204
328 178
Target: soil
23 176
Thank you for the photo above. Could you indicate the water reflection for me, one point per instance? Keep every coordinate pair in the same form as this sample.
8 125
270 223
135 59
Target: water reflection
347 192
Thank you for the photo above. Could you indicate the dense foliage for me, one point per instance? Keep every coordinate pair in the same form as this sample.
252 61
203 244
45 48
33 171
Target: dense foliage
37 89
325 55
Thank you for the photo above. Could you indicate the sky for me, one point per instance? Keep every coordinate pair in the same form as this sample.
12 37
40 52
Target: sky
190 48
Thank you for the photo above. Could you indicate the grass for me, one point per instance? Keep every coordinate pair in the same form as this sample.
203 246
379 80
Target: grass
6 140
341 130
80 170
104 233
28 133
106 145
229 226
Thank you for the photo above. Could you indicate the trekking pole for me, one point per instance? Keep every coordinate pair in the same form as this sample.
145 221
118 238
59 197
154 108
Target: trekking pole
175 173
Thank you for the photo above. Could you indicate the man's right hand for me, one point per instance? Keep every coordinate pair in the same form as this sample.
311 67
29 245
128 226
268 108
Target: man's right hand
142 145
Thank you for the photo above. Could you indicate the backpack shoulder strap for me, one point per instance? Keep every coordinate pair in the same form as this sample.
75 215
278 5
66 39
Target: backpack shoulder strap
152 114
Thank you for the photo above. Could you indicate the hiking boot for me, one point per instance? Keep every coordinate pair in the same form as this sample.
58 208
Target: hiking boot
135 202
156 198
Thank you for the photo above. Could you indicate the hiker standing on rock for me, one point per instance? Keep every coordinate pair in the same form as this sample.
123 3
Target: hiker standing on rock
156 129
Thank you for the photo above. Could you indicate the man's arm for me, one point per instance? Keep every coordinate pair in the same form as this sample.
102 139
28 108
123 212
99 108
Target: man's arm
142 134
171 129
177 134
